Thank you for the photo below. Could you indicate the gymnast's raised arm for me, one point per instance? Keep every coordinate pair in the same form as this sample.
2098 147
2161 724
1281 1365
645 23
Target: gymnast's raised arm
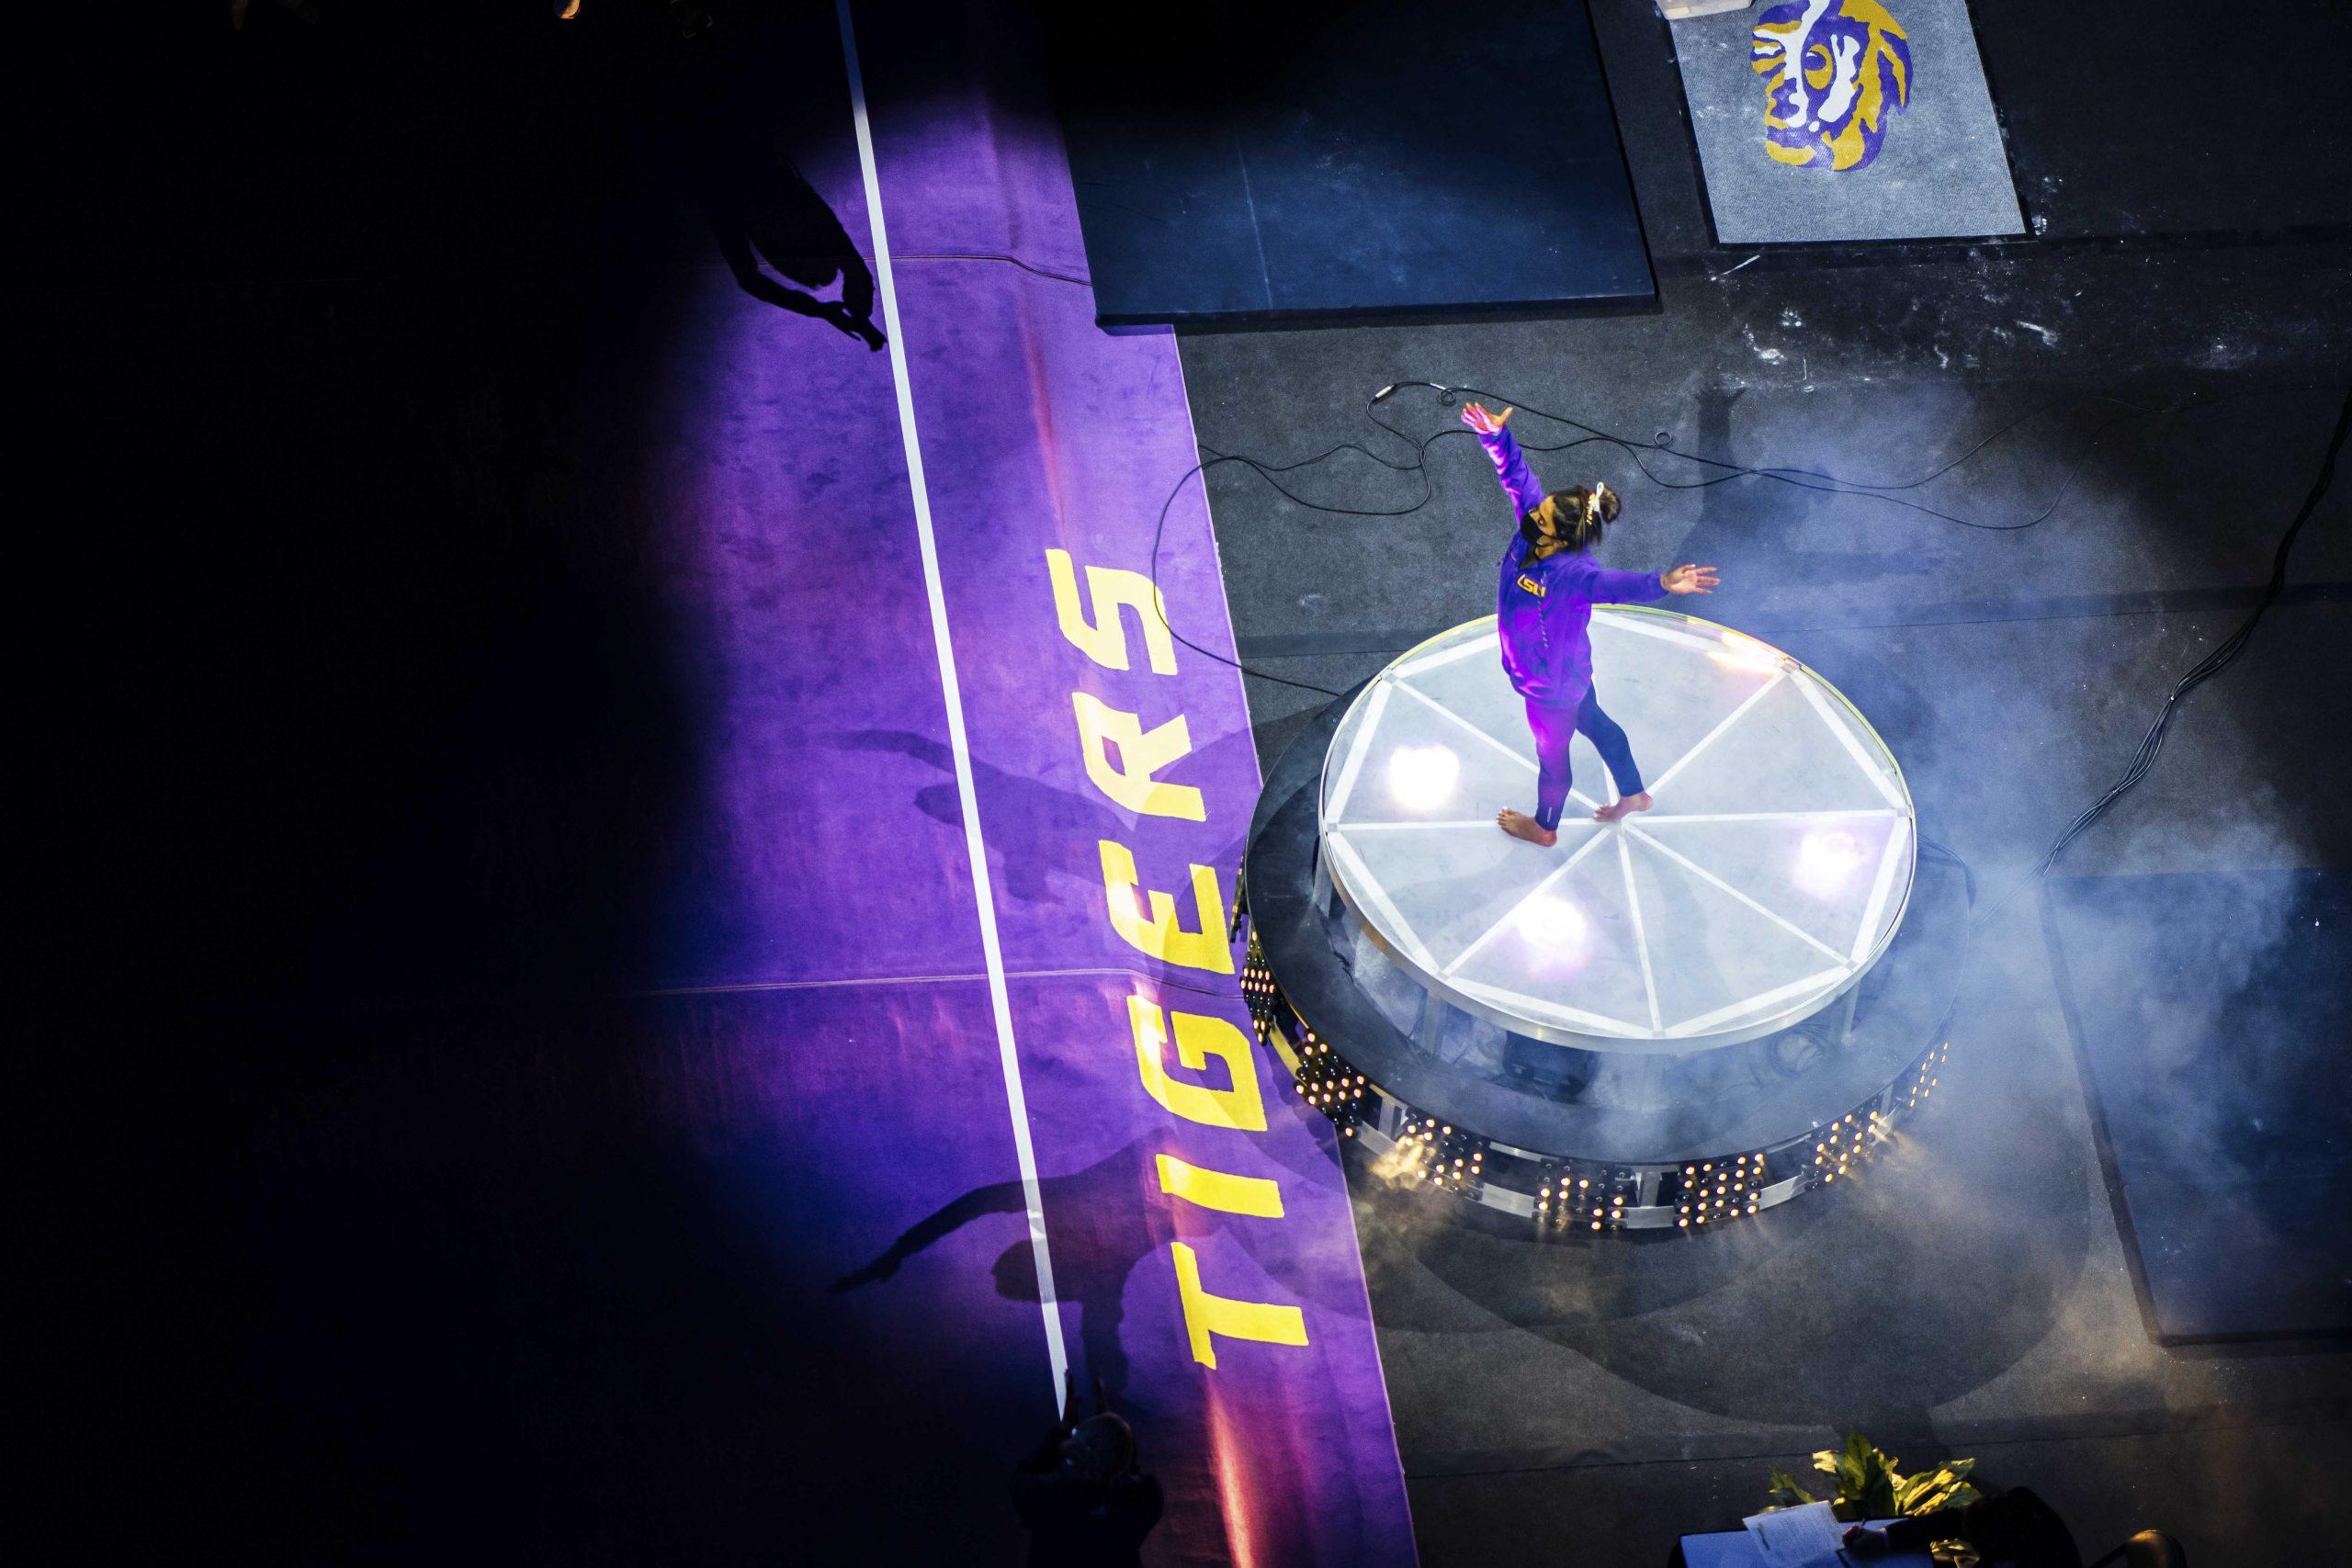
1510 467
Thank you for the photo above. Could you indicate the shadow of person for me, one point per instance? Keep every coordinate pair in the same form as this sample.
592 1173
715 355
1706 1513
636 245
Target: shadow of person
762 208
1059 828
1100 1235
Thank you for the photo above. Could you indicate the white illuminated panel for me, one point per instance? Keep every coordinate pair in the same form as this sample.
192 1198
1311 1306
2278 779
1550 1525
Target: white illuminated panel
1773 870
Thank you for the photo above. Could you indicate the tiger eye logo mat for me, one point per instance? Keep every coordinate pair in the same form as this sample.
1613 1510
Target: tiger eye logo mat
1837 68
1845 119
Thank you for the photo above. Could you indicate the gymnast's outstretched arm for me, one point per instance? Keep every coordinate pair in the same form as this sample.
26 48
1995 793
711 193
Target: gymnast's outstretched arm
1605 585
1511 465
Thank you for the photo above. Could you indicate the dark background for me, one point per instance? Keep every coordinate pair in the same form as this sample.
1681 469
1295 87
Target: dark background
366 1219
348 668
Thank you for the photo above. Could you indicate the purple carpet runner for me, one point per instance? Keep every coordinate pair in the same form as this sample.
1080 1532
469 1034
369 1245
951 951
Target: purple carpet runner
1039 1069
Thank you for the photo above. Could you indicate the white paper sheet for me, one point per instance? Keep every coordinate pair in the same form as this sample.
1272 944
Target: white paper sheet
1806 1536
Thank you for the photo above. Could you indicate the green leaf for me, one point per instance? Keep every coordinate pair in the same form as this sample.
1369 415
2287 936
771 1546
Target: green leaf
1866 1475
1924 1484
1940 1488
1870 1486
1847 1466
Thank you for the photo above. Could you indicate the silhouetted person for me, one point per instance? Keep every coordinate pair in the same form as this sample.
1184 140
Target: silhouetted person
1085 1503
2014 1526
1096 1246
761 209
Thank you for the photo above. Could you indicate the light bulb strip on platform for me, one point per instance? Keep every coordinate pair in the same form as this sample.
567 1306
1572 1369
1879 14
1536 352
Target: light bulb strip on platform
1564 1196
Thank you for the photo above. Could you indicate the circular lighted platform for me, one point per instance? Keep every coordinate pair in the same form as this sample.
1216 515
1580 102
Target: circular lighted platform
1771 873
1678 1021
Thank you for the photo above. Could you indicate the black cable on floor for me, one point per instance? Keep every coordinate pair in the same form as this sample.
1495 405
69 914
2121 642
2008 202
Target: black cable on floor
1802 478
2212 664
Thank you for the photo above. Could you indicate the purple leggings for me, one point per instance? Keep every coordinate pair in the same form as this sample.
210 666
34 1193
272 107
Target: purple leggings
1554 728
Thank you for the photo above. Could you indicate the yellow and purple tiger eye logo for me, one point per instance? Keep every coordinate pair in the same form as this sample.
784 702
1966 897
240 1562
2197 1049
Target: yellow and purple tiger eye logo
1837 68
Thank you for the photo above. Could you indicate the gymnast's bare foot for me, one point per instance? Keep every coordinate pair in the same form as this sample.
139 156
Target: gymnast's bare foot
1624 807
1520 825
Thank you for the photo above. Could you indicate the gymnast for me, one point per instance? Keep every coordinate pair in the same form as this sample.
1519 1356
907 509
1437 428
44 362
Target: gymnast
1544 601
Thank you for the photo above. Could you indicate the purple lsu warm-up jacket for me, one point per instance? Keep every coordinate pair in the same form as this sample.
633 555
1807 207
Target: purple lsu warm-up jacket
1544 607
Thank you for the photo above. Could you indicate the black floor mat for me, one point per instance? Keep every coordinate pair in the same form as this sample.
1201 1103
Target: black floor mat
2211 1014
1236 162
